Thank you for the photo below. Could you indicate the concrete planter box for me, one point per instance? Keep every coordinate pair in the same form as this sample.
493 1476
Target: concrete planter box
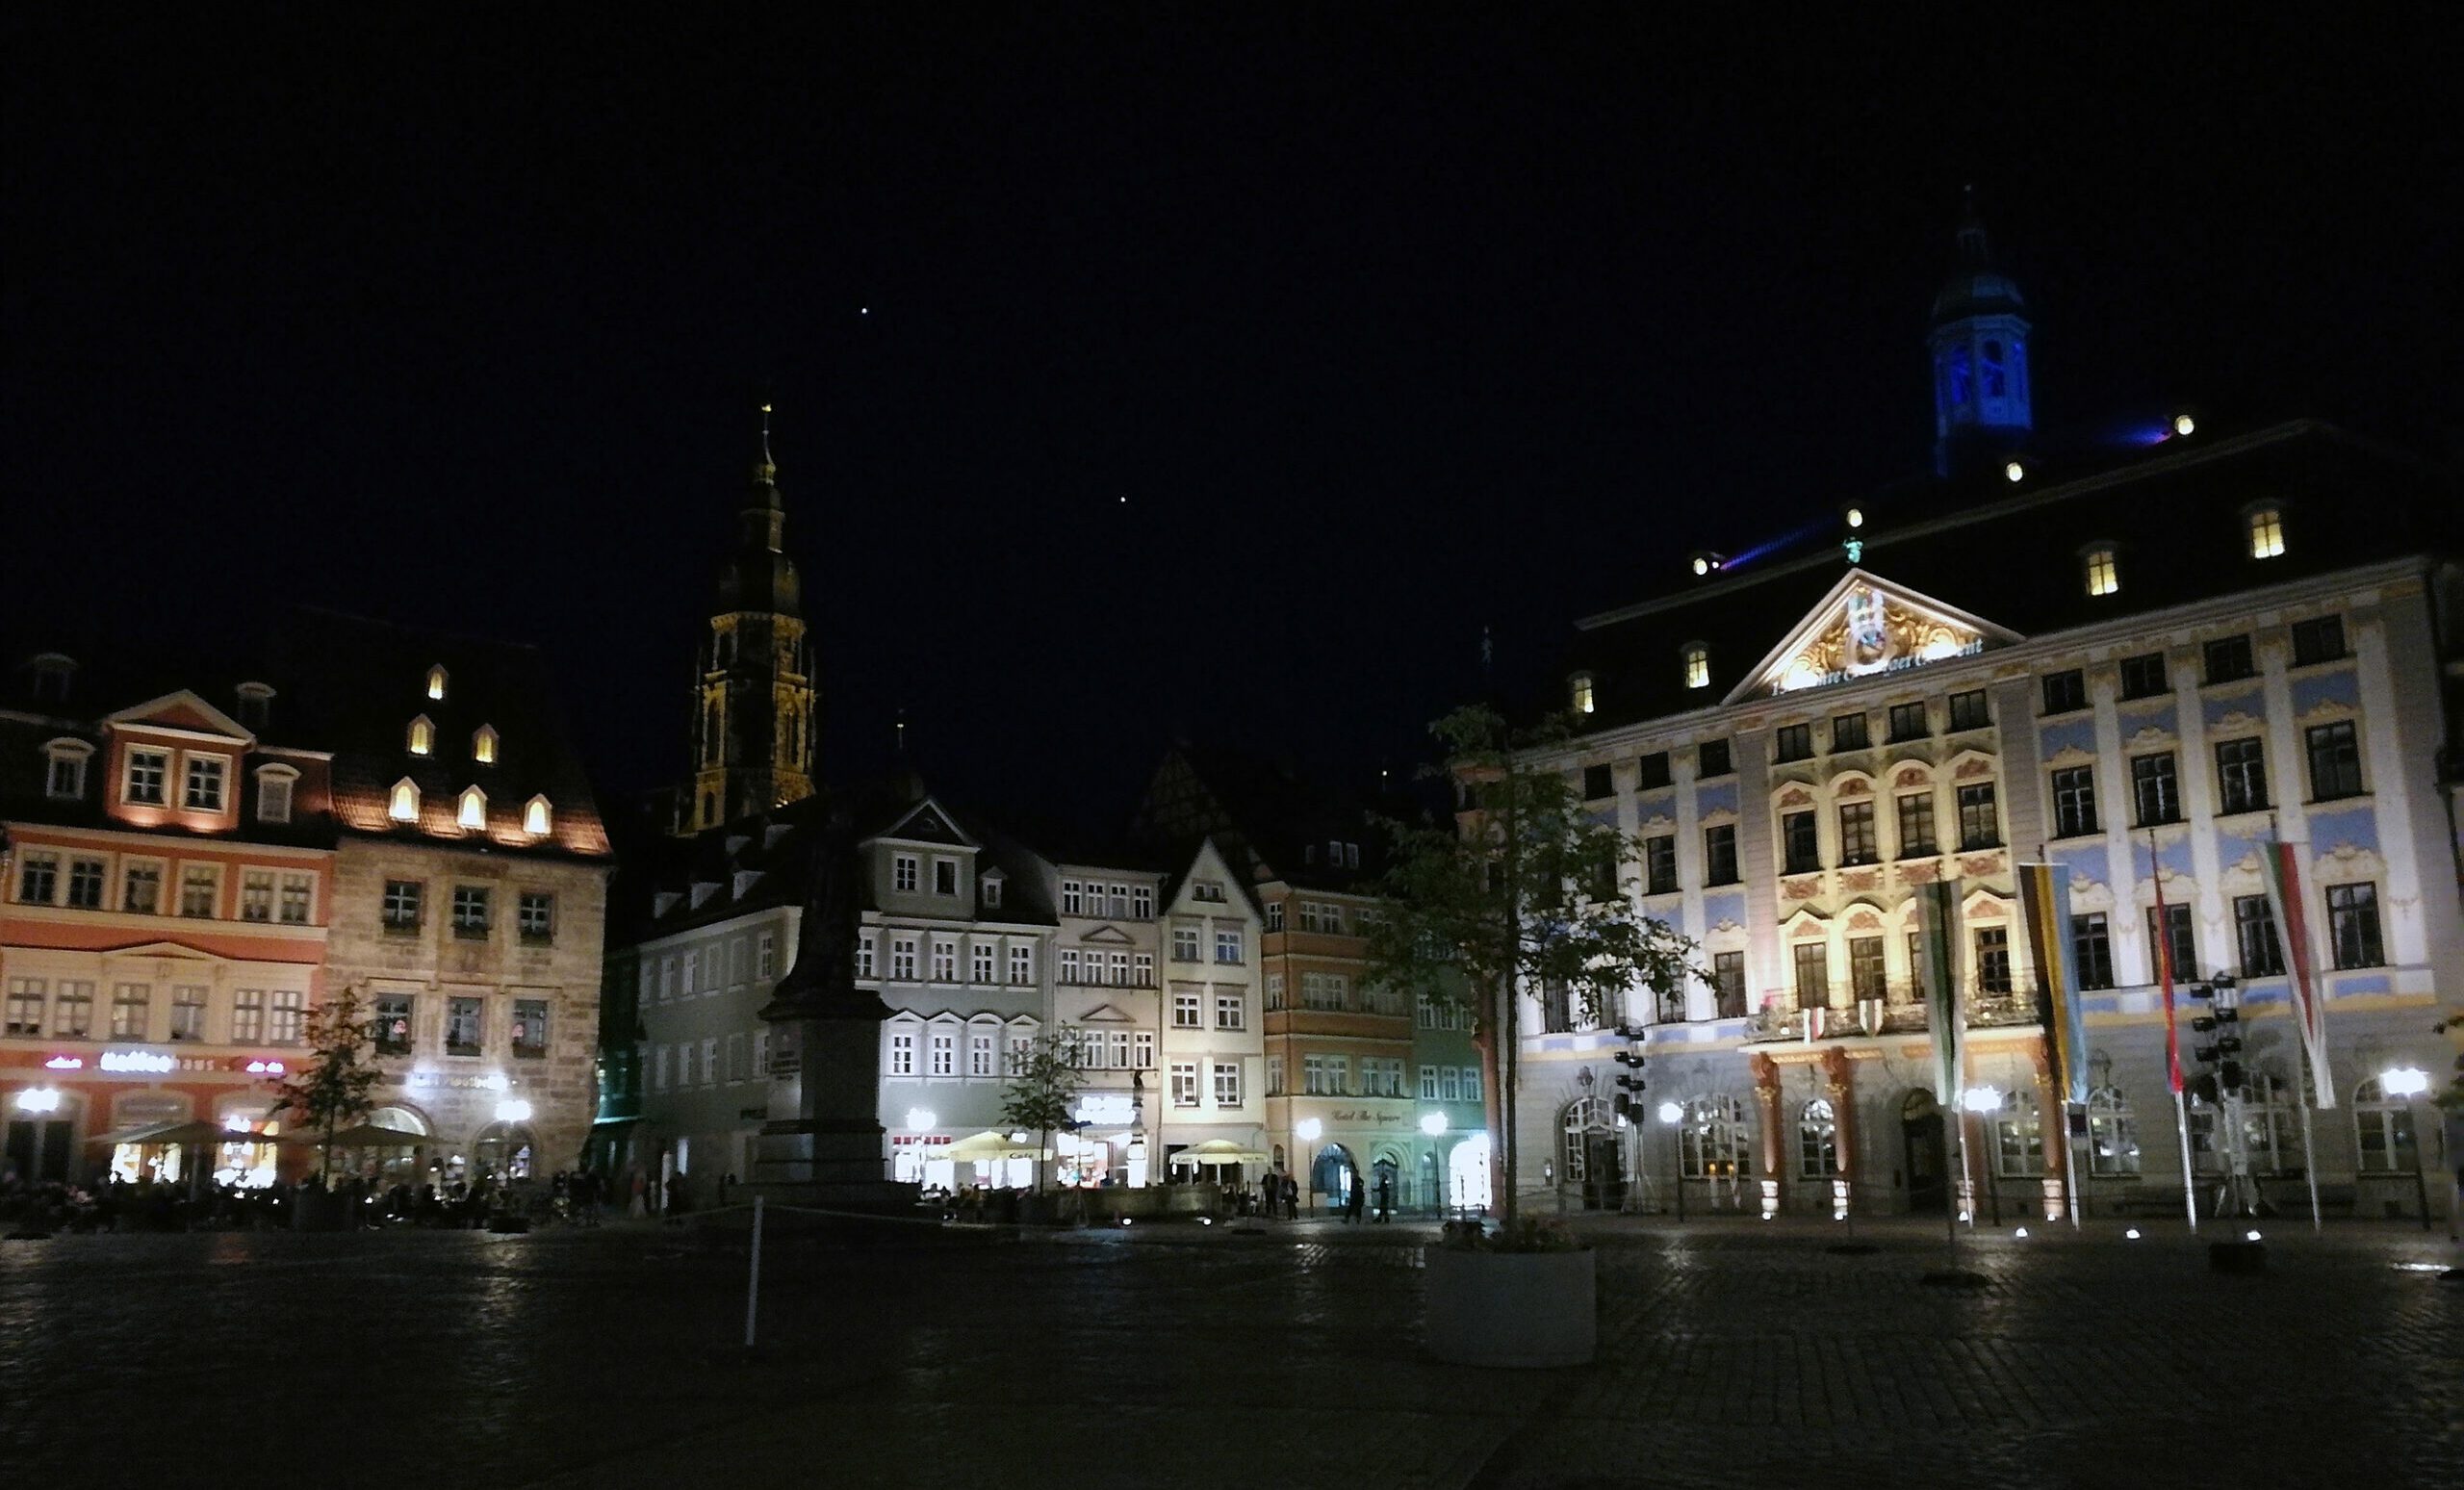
1516 1309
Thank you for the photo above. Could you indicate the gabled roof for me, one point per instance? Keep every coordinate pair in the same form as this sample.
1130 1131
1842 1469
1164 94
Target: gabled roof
2174 517
1866 625
181 709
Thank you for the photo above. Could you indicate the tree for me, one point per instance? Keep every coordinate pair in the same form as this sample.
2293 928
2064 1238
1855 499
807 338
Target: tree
1042 1086
1521 892
330 1091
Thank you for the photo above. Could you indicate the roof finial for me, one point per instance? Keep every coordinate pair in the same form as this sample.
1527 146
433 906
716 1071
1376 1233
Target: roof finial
901 740
767 465
1970 233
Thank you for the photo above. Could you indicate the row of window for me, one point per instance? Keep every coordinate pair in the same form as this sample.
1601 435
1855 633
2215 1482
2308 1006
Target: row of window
1319 915
470 809
421 740
2263 532
82 882
1229 943
65 1008
1227 1084
905 950
1231 1010
1113 902
404 911
394 1026
2333 751
707 969
905 875
1092 968
2226 659
1435 1013
746 1057
1331 1075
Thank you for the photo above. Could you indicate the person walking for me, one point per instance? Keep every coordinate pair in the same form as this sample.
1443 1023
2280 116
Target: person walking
1291 1199
1355 1200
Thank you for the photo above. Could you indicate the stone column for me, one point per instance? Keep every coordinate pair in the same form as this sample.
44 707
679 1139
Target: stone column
2053 1120
1766 1097
1839 1076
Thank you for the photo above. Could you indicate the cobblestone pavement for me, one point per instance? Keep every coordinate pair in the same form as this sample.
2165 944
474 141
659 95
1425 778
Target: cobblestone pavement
1183 1358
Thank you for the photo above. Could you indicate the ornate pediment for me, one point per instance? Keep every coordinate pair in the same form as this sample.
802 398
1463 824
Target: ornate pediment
1867 626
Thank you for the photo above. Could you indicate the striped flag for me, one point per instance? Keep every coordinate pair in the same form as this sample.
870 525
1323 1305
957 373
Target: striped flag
2044 899
2165 971
1938 912
2280 863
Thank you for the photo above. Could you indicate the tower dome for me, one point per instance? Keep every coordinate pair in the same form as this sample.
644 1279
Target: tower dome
1983 408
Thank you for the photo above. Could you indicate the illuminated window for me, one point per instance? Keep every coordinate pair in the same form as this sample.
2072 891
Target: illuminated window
1698 666
422 736
405 805
2101 579
1581 688
536 817
436 682
483 745
2266 532
474 811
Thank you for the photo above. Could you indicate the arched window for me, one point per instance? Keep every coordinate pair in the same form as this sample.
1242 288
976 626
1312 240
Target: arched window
1467 1174
2270 1134
275 783
1712 1143
1697 665
2018 1136
404 807
1585 1119
2383 1131
711 732
1997 384
2102 576
1578 687
2266 532
422 736
483 745
64 768
1817 1140
536 818
436 682
472 812
1960 376
2112 1134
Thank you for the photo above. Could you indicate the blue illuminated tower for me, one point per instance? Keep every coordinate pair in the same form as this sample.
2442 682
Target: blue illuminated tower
1979 339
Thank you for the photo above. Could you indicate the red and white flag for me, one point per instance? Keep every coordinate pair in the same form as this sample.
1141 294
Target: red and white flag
2281 862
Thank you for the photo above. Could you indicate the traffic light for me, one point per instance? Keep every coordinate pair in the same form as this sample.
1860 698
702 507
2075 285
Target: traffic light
1630 1081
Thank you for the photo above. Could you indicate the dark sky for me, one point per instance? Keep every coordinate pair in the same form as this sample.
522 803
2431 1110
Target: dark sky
1221 376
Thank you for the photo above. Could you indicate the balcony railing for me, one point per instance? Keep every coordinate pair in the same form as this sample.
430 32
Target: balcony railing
1985 1011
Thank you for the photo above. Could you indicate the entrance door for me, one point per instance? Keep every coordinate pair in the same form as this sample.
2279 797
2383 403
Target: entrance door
39 1149
1920 1131
1604 1173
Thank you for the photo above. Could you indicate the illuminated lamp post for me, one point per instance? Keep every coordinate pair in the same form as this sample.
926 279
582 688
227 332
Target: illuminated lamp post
1981 1100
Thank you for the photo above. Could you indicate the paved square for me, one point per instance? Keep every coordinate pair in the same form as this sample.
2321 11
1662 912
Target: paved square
1731 1355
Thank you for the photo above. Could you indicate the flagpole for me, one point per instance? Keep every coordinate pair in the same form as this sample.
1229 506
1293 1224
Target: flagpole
2190 1186
2309 1157
2070 1163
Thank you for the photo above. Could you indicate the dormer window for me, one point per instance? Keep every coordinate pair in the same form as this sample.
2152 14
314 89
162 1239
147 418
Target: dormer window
63 777
1580 687
422 736
2267 531
536 818
273 792
483 745
404 804
52 672
256 703
1697 665
2102 577
473 813
990 895
436 682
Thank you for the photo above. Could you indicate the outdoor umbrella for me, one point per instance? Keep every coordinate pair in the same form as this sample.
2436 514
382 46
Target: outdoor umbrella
1220 1151
991 1147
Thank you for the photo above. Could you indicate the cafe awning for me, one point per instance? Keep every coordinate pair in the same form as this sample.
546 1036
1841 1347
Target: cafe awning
991 1147
1220 1151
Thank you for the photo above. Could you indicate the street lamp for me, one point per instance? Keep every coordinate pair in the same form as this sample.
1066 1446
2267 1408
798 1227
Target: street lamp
1980 1100
1671 1115
39 1099
2409 1082
1433 1123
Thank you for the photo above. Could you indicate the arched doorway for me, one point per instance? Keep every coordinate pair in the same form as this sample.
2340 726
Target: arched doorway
502 1152
1467 1174
390 1167
1386 1181
1920 1136
1590 1163
1332 1174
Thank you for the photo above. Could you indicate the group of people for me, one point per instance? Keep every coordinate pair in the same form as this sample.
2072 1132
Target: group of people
113 1203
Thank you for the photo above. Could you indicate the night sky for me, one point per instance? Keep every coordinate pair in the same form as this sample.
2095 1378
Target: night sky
1138 373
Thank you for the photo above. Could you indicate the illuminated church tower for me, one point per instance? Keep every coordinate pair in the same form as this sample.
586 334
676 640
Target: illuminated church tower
1980 346
753 734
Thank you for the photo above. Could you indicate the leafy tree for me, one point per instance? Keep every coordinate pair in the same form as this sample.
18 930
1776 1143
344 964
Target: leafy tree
330 1091
1522 892
1040 1088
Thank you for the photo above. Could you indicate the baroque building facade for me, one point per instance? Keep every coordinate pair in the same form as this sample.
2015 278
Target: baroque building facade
395 812
2142 669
